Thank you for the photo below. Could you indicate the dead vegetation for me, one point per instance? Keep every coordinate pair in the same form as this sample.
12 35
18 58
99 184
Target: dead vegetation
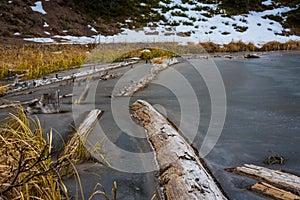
28 167
33 61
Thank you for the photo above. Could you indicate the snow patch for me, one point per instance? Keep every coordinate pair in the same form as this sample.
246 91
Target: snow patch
45 25
194 25
68 39
267 3
40 40
38 8
17 33
92 29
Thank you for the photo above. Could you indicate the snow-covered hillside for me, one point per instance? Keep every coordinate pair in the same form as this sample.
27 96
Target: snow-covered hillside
196 22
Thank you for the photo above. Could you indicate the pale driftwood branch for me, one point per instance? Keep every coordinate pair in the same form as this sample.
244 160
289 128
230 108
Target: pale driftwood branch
144 81
272 191
89 122
83 95
286 180
181 173
73 149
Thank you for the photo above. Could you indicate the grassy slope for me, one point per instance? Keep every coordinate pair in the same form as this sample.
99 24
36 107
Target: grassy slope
108 16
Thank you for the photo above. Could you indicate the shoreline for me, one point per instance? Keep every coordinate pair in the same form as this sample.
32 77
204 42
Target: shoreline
207 45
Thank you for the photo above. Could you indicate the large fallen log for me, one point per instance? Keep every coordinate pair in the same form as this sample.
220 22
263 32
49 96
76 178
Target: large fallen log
182 175
272 191
286 180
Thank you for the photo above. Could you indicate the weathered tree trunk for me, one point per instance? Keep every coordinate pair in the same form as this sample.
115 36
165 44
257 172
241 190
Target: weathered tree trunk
286 180
181 173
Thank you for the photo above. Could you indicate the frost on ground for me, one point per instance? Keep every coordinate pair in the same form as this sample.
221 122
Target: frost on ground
194 22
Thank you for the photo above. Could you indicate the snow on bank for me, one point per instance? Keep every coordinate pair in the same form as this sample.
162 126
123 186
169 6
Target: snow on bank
38 8
40 40
194 25
45 25
267 2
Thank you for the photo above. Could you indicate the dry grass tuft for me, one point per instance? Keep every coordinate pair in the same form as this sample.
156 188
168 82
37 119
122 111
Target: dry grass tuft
275 46
27 170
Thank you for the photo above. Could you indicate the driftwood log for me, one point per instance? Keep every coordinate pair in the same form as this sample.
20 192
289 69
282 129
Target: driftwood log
83 95
82 132
85 73
144 81
89 122
182 175
286 180
272 191
251 56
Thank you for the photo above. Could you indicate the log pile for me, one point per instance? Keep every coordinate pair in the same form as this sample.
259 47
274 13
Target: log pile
182 174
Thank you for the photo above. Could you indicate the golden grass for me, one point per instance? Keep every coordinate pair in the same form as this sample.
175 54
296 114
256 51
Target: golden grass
238 47
27 170
105 53
38 60
275 46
